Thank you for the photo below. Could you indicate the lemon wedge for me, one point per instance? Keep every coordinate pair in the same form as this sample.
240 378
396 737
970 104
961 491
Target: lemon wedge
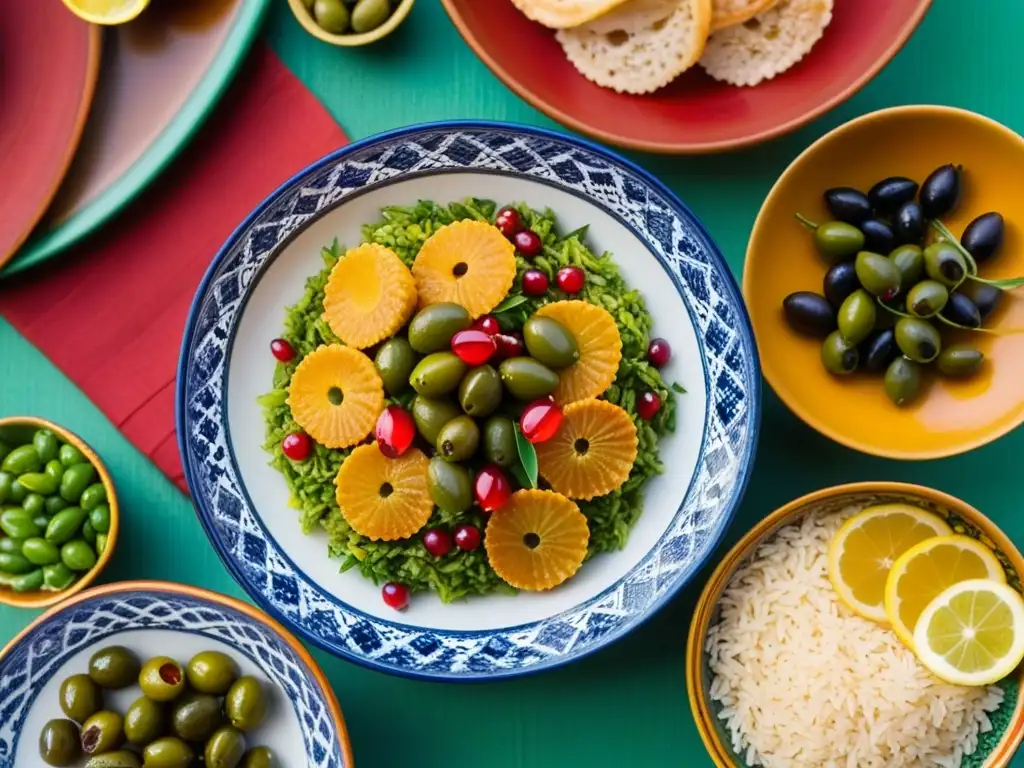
921 573
867 545
107 11
972 633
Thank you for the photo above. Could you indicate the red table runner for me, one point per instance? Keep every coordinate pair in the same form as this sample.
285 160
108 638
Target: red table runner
111 314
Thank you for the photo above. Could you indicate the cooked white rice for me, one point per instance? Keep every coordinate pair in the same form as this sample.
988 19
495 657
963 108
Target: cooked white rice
804 682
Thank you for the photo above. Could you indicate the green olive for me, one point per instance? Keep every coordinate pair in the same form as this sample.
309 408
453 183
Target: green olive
878 275
246 703
121 758
212 672
856 316
550 342
909 260
46 444
944 263
500 441
838 355
480 391
837 240
39 551
918 339
527 379
58 576
68 455
114 667
103 732
431 414
58 743
225 748
168 752
432 328
367 15
437 374
394 362
960 360
144 721
195 716
458 439
927 298
162 679
80 698
258 757
331 15
450 486
23 459
902 380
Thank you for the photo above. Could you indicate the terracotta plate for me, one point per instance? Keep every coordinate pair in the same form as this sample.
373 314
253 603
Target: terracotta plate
694 114
161 76
46 92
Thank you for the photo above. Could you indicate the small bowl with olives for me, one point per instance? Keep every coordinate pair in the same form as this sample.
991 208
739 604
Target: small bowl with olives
350 23
58 513
881 276
165 676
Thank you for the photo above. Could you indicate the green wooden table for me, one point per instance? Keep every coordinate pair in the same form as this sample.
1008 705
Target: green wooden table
626 705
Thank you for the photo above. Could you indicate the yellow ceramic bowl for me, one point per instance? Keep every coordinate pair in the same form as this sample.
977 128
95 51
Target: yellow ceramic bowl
20 428
352 40
997 747
950 417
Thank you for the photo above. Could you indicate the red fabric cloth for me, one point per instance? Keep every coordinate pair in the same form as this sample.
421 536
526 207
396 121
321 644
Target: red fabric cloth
111 315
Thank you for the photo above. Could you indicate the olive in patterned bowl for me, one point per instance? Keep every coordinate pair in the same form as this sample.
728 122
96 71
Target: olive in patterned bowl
995 747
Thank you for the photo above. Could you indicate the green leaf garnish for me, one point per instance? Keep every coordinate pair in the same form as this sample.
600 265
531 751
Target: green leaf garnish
1006 283
807 223
579 234
510 302
679 388
951 324
527 460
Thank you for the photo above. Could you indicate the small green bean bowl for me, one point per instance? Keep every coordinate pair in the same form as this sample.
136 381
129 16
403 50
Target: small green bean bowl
333 21
58 513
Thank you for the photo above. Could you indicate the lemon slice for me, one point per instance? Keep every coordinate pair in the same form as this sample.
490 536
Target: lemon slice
972 633
107 11
867 545
926 569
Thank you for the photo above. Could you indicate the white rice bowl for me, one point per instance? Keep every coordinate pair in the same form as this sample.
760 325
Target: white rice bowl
802 681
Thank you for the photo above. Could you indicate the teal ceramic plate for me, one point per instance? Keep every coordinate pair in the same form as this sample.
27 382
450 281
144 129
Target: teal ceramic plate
161 76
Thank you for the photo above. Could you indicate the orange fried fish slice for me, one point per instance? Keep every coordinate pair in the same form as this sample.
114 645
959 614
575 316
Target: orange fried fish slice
593 451
468 263
369 296
600 347
336 395
537 540
384 499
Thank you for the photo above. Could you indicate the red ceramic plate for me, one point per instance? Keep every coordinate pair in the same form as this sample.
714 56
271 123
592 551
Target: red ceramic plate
694 114
49 60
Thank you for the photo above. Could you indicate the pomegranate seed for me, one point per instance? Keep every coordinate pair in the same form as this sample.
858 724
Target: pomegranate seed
491 488
473 347
395 595
528 243
509 345
488 324
535 282
509 222
297 446
282 350
540 421
648 405
395 431
659 352
437 542
570 279
467 537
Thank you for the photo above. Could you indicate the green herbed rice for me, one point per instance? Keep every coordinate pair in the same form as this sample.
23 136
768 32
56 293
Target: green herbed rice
458 574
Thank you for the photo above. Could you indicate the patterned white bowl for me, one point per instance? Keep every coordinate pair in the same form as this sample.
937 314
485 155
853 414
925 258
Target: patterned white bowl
661 249
304 726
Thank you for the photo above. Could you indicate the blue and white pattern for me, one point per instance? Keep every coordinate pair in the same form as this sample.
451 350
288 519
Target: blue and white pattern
623 190
38 656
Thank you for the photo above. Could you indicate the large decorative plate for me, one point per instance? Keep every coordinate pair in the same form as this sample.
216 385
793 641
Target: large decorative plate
660 247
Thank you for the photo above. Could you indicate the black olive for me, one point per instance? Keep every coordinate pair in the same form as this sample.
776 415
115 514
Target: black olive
809 313
983 236
840 281
985 297
908 225
878 237
941 191
847 204
962 311
889 194
879 350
